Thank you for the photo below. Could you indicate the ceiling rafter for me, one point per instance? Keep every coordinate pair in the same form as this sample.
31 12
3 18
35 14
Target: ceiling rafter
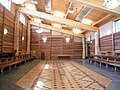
58 19
102 19
56 29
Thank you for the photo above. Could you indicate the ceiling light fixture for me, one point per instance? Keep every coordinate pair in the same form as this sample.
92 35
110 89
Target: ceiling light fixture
40 30
57 25
111 4
18 1
67 39
76 30
86 21
44 39
37 20
58 14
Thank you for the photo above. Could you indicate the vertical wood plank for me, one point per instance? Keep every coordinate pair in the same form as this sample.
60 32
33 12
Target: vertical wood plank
16 33
28 38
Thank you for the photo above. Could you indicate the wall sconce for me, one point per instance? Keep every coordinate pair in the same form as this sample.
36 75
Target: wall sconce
111 4
67 39
44 39
40 30
18 1
5 31
22 38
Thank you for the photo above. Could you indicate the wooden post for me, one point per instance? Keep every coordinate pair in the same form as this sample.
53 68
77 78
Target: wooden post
83 42
16 33
28 38
97 44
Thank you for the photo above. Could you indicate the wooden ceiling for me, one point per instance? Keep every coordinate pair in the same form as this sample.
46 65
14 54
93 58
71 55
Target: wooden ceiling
97 13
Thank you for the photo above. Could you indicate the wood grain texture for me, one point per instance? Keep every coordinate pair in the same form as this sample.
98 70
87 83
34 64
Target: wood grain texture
106 43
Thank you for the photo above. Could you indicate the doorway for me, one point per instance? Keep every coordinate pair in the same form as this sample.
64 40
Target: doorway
88 50
42 55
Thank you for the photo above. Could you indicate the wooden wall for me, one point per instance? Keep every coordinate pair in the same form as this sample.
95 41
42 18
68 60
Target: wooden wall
54 46
106 43
7 20
117 41
1 25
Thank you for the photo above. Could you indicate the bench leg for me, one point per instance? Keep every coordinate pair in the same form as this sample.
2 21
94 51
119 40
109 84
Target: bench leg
95 62
2 71
106 65
15 65
100 65
10 68
90 61
115 68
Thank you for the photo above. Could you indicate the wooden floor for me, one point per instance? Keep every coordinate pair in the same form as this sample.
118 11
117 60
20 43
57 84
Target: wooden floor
62 75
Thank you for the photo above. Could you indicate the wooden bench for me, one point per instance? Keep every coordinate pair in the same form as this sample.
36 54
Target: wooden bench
9 62
107 60
63 57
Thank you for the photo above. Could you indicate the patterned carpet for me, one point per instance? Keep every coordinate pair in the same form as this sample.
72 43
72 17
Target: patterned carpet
62 75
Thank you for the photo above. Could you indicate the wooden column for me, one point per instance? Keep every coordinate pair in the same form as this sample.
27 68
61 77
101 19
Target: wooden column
16 33
28 38
83 42
113 40
97 42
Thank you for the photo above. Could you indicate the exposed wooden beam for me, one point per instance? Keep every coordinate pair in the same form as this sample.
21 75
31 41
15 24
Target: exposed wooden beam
56 29
98 5
58 19
30 17
108 19
101 19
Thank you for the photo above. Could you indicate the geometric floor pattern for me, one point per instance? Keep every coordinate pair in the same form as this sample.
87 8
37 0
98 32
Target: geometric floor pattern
62 75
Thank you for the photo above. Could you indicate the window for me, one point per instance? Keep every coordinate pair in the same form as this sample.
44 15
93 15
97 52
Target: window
6 3
117 26
22 18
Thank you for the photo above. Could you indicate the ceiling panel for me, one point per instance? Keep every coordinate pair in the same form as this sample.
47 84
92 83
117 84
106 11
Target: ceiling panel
60 5
95 15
